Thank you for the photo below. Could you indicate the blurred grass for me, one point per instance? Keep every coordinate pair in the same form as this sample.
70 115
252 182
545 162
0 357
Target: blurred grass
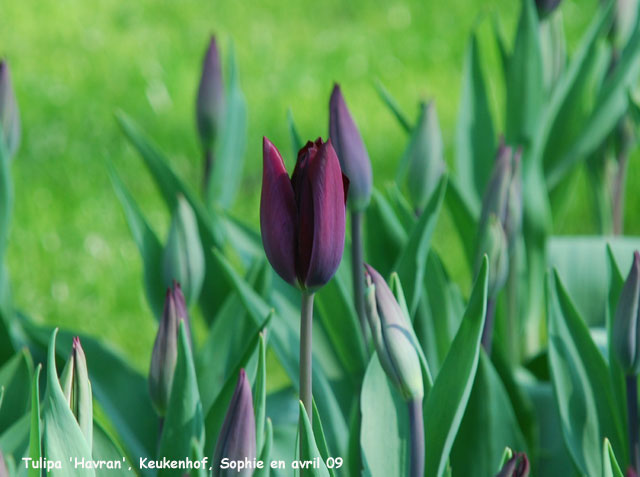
72 260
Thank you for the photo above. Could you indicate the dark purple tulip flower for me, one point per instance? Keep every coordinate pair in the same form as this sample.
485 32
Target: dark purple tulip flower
545 7
9 116
210 101
351 151
165 348
517 466
302 219
626 323
237 439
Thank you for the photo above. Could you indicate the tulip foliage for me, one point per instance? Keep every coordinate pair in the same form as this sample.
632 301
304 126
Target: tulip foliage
334 334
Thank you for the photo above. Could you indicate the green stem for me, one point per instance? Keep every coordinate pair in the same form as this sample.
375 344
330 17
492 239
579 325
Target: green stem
357 267
306 322
632 415
416 428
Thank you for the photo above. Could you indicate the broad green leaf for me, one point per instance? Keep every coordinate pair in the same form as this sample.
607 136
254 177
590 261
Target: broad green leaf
384 413
393 106
385 235
582 264
525 81
226 172
14 440
106 449
62 438
309 449
581 382
184 419
15 378
171 186
488 425
611 467
260 392
148 245
446 403
465 214
35 439
475 145
413 258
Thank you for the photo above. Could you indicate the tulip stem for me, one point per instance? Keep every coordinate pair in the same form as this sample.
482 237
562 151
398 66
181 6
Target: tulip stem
306 322
632 415
416 426
487 332
357 267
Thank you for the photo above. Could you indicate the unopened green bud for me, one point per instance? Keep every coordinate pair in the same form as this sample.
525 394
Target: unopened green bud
626 328
76 387
493 242
183 254
424 157
392 337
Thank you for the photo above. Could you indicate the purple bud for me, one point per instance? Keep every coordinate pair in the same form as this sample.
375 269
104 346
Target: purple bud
9 115
302 219
165 348
210 103
351 151
391 337
545 7
237 438
517 466
626 327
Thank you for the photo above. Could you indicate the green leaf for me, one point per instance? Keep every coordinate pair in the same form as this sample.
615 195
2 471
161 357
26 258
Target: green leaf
318 434
106 449
35 439
587 281
475 136
385 235
226 172
265 455
611 467
15 378
488 425
393 106
184 420
413 258
62 438
525 81
148 245
384 431
581 382
260 392
296 142
446 403
6 199
465 214
308 447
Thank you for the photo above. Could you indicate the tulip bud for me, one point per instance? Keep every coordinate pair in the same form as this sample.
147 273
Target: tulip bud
545 7
517 466
9 116
165 349
424 157
183 254
302 219
76 387
391 337
626 329
353 156
210 103
237 438
493 242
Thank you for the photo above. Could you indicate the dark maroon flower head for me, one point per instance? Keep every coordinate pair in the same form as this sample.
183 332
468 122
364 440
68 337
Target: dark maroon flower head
302 219
210 103
545 7
517 466
351 151
237 438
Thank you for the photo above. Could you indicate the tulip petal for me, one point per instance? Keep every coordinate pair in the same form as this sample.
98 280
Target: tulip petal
329 216
210 100
278 214
351 151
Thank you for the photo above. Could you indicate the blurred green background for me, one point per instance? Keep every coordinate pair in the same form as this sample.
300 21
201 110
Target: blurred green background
72 260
